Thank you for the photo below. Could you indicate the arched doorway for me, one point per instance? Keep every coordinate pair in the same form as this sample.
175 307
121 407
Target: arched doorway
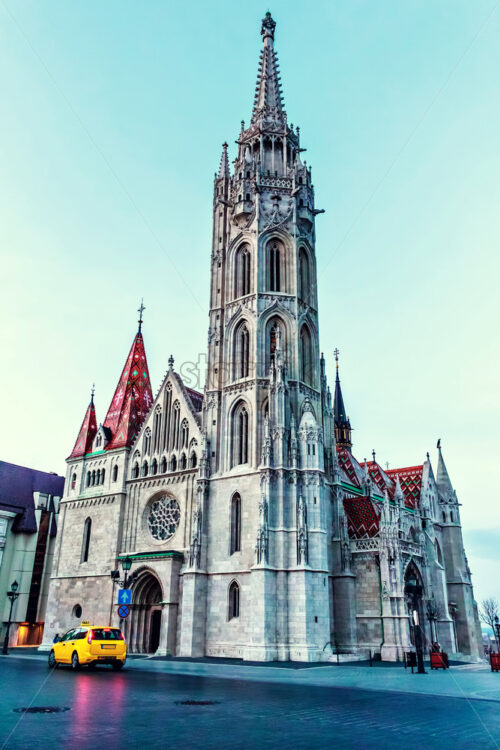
143 627
414 594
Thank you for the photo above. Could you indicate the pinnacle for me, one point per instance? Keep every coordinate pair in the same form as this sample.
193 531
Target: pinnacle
268 100
224 162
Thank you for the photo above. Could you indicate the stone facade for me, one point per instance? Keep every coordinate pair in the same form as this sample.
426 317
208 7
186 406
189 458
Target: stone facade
253 531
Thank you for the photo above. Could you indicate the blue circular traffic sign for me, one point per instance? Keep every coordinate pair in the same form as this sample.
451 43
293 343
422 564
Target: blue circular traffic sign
123 610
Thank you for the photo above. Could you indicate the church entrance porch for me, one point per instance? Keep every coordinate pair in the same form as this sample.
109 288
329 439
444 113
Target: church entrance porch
143 627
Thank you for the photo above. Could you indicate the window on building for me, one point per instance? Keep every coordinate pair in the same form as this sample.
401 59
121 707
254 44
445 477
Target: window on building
234 601
147 442
182 462
93 478
193 461
235 523
145 469
174 443
103 473
154 466
274 266
241 351
306 362
87 532
98 477
135 471
184 433
163 465
439 556
115 472
242 279
173 464
239 437
89 478
304 277
73 481
98 441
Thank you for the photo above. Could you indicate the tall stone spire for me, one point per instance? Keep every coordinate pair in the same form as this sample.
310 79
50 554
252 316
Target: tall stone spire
442 477
224 163
342 423
268 103
87 432
132 399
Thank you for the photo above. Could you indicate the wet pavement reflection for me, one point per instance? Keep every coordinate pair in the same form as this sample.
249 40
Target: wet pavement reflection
134 709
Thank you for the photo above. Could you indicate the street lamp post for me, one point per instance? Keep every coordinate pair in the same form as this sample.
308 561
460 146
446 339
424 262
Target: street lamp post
414 589
12 594
497 632
126 581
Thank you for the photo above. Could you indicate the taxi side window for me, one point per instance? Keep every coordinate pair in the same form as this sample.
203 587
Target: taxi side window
80 635
68 636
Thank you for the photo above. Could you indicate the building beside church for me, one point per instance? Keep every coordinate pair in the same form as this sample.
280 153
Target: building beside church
29 506
253 530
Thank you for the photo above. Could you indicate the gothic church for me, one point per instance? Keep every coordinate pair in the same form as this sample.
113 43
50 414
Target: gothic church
252 529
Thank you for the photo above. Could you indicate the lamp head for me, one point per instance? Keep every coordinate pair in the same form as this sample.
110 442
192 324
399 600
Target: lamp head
126 564
14 586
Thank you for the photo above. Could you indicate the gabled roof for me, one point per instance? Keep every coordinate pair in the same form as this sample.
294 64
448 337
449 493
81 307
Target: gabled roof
87 432
132 398
362 519
378 475
17 487
410 479
349 466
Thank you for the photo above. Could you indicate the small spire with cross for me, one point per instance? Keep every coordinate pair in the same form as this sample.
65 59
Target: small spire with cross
374 454
336 355
171 362
92 391
140 311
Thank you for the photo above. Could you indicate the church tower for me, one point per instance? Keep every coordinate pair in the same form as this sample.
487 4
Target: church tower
264 408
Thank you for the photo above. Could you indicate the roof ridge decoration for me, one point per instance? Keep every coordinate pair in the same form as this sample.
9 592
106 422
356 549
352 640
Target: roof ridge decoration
87 432
132 398
268 102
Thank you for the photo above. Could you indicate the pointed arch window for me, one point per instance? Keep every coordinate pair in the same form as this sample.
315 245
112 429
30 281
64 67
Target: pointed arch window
240 435
87 532
275 329
234 601
147 441
193 461
154 466
157 430
182 462
93 478
163 465
241 352
275 266
184 434
235 545
242 280
115 472
173 464
135 471
73 481
174 439
89 478
103 474
304 277
98 477
306 363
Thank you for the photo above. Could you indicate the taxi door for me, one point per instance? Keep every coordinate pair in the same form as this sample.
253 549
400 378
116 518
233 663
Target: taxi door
62 649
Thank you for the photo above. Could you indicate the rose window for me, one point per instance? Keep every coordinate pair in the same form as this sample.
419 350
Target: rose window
163 518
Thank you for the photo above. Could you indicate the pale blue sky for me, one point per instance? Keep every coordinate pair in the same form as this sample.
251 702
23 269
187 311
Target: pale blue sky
112 117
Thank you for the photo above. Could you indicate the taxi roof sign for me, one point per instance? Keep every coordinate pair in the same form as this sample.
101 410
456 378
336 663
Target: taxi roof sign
85 622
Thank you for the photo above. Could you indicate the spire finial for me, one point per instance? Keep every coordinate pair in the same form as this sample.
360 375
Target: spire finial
268 26
140 310
374 454
336 355
224 162
171 362
92 392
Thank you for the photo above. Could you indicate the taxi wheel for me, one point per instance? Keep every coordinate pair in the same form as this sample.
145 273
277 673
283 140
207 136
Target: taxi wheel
75 663
117 665
52 660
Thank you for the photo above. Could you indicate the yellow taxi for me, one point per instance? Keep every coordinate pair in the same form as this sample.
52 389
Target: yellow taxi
89 645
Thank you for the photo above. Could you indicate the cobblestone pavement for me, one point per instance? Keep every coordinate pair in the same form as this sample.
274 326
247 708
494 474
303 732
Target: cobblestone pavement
146 708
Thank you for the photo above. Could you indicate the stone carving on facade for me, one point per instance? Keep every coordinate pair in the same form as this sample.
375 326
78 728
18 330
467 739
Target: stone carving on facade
302 533
262 545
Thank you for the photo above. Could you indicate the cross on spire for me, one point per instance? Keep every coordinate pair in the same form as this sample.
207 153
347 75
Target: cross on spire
92 392
140 311
336 355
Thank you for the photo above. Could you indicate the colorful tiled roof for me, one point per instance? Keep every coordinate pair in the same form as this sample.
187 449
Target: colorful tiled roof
132 399
346 462
362 519
410 479
87 432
